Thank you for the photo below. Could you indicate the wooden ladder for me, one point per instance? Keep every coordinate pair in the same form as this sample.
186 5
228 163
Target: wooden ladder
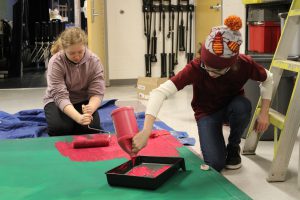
289 123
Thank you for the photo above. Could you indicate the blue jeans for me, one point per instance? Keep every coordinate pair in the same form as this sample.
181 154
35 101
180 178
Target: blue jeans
237 113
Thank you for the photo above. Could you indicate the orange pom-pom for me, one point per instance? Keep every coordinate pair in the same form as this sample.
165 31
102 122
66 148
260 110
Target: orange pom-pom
233 22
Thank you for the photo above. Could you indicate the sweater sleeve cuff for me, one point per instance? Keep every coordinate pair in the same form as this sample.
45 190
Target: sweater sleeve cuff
63 104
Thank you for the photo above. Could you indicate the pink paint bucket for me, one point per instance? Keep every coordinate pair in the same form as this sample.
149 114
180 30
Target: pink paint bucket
125 126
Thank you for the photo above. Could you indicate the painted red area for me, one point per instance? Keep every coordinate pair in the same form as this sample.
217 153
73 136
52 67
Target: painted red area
164 145
157 133
146 171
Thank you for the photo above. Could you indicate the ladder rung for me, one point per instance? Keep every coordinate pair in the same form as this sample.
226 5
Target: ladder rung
287 65
295 12
276 118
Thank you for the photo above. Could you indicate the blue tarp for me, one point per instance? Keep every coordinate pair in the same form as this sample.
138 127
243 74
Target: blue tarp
32 123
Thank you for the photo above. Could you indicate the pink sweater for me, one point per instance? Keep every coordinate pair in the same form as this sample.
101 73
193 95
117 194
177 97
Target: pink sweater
70 83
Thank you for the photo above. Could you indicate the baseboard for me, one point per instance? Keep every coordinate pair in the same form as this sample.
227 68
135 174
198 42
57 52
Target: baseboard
118 82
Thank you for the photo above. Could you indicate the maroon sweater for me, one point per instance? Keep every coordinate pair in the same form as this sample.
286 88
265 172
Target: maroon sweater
212 94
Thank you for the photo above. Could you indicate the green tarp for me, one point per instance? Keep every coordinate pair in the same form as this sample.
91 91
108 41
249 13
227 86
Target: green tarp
33 169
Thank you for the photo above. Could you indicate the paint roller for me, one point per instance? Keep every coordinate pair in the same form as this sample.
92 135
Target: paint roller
88 141
91 141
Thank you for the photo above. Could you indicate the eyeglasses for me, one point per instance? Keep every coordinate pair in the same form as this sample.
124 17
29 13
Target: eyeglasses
215 71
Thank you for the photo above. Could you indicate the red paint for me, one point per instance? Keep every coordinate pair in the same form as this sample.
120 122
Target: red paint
146 171
163 146
133 159
157 133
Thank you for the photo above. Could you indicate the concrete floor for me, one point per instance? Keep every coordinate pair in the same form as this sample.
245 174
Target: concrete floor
177 113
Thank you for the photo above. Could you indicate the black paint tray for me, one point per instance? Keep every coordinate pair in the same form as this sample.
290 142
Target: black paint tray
122 174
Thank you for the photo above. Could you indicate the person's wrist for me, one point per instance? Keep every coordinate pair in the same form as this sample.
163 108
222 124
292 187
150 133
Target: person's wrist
78 118
146 132
264 113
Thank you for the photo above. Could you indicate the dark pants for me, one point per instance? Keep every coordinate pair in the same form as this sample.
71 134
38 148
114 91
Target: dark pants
237 113
61 124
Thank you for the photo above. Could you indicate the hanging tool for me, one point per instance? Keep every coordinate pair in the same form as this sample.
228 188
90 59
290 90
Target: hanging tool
144 13
147 27
148 55
163 54
170 3
155 8
190 55
177 32
160 4
187 26
172 54
181 31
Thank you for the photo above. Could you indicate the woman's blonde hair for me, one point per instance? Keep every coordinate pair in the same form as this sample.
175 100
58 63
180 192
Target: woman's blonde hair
68 37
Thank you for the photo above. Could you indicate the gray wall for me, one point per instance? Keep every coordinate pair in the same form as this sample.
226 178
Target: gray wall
6 9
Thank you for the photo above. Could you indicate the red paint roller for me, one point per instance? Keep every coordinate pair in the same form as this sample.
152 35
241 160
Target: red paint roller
89 141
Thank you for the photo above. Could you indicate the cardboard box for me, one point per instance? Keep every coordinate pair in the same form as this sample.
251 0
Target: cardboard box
146 84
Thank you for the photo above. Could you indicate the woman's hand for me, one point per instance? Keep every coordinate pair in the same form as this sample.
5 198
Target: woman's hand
84 119
139 141
87 109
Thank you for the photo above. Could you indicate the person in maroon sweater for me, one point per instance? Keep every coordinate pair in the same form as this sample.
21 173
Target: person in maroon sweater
75 88
217 77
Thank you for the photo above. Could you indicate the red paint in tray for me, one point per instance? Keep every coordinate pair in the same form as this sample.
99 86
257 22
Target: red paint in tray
148 172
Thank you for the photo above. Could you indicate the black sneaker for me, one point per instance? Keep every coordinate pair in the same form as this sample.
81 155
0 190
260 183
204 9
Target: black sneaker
233 159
